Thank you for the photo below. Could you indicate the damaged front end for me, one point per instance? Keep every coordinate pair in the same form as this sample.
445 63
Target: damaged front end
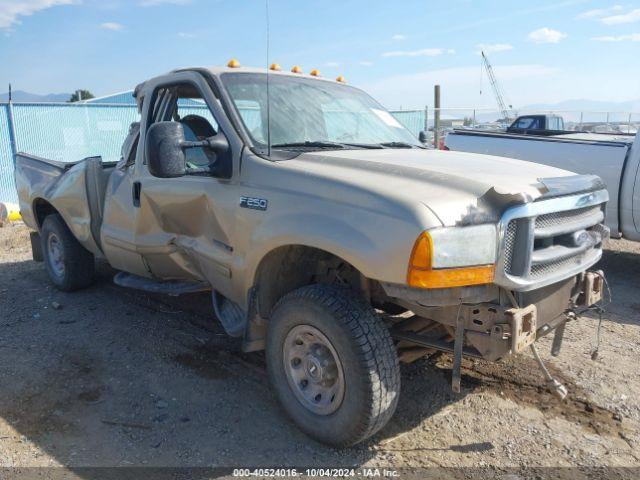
492 331
541 280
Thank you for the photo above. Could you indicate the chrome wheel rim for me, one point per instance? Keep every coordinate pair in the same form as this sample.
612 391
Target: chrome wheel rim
55 255
313 370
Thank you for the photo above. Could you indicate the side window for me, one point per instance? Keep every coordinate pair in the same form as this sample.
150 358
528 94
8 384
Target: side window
525 122
198 123
185 104
556 123
130 145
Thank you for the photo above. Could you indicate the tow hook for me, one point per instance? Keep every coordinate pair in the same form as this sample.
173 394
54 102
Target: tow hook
554 385
526 336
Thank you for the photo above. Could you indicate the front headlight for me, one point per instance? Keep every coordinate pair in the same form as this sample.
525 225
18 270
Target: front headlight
453 257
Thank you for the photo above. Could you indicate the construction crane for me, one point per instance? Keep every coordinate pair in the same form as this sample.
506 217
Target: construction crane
496 88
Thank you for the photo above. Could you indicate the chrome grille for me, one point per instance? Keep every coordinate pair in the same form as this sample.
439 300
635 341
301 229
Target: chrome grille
557 218
509 245
547 241
544 269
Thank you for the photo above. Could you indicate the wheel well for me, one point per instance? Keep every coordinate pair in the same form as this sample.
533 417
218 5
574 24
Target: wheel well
290 267
41 210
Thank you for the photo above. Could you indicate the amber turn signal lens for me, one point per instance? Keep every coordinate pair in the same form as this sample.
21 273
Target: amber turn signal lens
422 251
421 274
451 277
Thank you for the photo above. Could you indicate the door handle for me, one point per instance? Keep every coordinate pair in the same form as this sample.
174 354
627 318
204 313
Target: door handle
137 187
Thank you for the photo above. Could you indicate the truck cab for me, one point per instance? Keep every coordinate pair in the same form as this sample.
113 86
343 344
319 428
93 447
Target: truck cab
537 125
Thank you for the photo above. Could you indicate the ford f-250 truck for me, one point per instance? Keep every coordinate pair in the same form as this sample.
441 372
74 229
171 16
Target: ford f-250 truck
309 212
615 158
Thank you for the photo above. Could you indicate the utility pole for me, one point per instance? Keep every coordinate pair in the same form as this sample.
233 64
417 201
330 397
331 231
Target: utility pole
436 116
12 127
426 118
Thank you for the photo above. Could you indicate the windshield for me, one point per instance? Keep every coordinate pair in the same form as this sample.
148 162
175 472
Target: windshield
312 114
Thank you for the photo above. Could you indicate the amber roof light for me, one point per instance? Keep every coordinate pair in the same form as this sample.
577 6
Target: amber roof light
233 63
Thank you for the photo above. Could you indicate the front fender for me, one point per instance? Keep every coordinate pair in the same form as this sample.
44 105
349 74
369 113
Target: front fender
378 246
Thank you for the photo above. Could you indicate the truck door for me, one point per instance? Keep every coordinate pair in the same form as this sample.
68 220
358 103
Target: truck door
184 225
118 226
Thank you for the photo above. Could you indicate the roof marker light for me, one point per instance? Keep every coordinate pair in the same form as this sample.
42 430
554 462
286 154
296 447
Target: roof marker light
341 79
296 69
275 67
233 63
315 73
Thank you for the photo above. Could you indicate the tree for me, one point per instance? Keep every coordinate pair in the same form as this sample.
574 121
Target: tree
80 95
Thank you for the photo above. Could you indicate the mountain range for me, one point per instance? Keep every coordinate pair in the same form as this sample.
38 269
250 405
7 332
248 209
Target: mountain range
22 96
588 106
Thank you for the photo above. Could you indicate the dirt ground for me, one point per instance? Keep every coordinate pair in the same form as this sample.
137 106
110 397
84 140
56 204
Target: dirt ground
114 377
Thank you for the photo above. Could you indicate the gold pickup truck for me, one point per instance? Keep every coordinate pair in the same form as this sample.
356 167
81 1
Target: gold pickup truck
328 235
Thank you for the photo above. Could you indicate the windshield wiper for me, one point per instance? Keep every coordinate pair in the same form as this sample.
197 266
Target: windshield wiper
326 144
365 145
399 145
309 144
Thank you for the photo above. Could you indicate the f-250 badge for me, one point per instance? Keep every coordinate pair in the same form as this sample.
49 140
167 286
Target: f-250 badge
254 203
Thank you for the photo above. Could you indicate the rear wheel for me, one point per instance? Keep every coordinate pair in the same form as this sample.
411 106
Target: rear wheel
332 364
70 266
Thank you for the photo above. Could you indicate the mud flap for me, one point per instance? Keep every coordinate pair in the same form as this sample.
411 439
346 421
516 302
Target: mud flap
230 315
36 247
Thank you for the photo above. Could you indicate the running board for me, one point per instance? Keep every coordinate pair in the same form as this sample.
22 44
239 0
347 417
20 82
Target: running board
168 287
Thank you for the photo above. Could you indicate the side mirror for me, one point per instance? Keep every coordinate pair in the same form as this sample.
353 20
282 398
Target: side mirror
423 137
164 150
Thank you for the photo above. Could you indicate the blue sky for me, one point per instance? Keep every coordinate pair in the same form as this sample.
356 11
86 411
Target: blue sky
542 51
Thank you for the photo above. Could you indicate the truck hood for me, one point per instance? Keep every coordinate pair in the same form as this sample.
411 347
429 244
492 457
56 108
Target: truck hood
459 188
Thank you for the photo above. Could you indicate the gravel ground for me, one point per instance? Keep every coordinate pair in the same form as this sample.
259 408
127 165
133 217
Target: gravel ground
114 377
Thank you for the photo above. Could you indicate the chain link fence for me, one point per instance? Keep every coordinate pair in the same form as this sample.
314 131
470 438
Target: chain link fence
72 131
7 186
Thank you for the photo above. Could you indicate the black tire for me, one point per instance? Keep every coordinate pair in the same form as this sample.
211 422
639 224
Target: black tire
74 267
366 352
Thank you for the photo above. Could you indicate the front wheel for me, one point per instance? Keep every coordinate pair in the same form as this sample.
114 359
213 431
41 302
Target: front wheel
333 364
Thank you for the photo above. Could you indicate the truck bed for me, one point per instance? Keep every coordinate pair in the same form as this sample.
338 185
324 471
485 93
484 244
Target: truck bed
550 136
74 189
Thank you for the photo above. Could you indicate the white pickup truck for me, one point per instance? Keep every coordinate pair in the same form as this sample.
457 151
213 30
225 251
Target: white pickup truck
614 158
